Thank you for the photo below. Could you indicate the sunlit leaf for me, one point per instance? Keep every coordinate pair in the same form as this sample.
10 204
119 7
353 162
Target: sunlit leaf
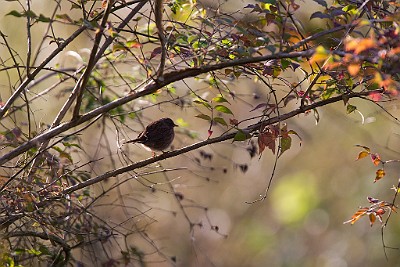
376 159
219 99
133 44
359 45
362 155
379 175
321 54
356 216
223 109
353 69
202 102
181 122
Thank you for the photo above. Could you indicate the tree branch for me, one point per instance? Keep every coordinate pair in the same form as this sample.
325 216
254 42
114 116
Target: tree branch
218 139
149 88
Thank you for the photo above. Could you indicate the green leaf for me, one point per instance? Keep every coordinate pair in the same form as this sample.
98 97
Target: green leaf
203 116
202 102
33 251
64 17
220 121
66 144
240 136
15 13
219 99
350 108
43 18
286 143
223 109
30 14
226 42
295 133
285 63
328 92
181 122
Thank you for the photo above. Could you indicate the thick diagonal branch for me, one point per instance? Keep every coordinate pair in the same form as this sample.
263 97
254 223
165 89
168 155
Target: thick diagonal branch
224 137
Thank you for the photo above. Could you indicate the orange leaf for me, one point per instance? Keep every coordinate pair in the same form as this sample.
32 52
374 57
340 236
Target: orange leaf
379 175
353 69
360 45
372 219
356 216
362 155
376 159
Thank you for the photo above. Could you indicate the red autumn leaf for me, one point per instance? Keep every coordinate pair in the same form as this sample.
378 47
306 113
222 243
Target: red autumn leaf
375 96
380 212
155 52
266 139
376 159
234 122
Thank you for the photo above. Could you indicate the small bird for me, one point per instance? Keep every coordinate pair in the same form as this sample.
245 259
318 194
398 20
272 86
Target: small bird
158 135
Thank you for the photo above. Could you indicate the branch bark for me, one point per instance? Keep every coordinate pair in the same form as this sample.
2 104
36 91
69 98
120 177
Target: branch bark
149 88
218 139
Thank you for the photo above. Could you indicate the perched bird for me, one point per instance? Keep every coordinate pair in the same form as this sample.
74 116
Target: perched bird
158 135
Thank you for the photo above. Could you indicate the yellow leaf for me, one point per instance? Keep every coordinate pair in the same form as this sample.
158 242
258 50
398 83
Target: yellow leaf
362 155
379 175
372 219
320 54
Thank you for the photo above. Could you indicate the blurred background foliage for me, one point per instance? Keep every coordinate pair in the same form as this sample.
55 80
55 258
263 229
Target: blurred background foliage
317 184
